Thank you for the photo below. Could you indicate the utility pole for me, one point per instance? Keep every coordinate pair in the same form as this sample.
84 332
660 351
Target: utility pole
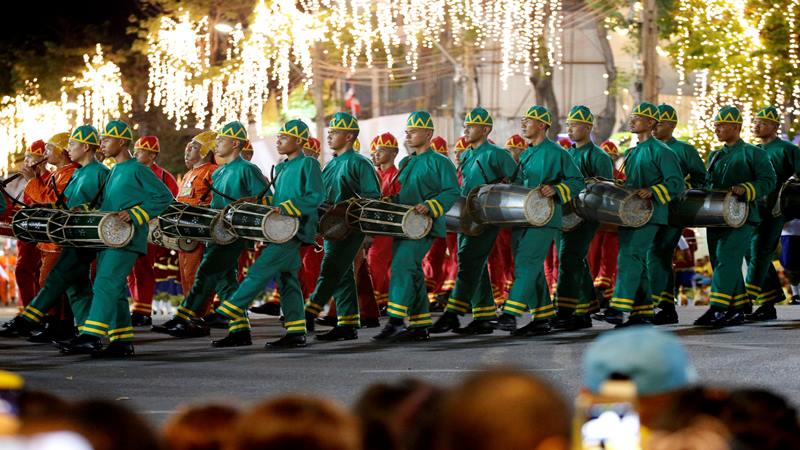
649 55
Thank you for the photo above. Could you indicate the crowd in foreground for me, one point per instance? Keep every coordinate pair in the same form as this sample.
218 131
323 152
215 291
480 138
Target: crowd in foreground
639 391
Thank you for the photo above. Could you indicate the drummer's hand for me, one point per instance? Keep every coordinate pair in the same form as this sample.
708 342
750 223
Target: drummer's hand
27 172
738 191
277 209
644 193
422 209
547 190
124 216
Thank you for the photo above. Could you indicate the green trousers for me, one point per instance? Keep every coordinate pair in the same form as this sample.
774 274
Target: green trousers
473 288
529 291
277 261
217 272
632 292
762 283
110 313
659 265
408 296
575 290
70 275
337 280
727 247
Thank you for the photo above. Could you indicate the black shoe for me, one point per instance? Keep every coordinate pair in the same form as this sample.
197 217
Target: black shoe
506 322
189 329
764 313
580 322
294 340
115 349
18 327
384 311
389 332
141 320
269 308
327 321
167 326
711 317
795 300
435 307
535 328
561 322
446 322
310 322
57 330
610 315
413 335
216 320
476 327
339 333
372 322
733 318
238 339
636 320
665 316
83 344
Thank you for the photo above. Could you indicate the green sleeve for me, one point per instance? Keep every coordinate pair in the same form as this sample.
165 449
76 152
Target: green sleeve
445 173
602 165
369 186
310 193
765 178
156 196
505 164
793 158
697 170
671 176
571 179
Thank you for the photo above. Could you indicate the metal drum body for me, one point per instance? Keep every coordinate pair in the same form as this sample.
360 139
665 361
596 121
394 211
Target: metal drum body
701 208
197 223
388 219
458 220
569 217
72 229
156 236
789 200
333 224
605 202
509 205
260 222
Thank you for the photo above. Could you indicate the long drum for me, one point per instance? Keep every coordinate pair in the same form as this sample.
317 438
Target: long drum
606 202
509 205
71 228
458 220
789 200
333 224
156 236
197 223
702 208
388 219
260 222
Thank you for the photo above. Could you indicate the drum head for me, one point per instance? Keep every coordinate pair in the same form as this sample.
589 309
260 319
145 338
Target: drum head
416 226
221 231
333 223
570 221
635 211
279 228
187 245
114 232
538 209
735 211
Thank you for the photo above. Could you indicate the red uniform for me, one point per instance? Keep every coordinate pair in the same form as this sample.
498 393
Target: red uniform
604 250
551 268
29 257
142 279
379 255
501 266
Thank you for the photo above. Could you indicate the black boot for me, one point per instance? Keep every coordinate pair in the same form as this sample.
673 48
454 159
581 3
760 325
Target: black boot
535 328
54 331
310 322
733 318
370 322
711 317
579 322
391 330
216 320
238 339
636 320
294 340
326 321
167 326
83 344
116 349
795 300
189 329
18 327
269 308
141 320
413 335
446 322
562 321
667 315
764 313
610 315
506 322
476 327
339 333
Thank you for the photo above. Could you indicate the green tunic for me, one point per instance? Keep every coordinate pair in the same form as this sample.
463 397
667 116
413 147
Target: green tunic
350 175
485 164
85 183
692 166
592 161
651 164
785 159
298 192
236 180
429 178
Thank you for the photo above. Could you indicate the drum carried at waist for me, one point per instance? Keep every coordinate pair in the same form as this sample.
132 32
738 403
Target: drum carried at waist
788 202
156 236
703 208
381 218
333 224
569 217
260 222
72 228
458 220
197 223
606 202
509 205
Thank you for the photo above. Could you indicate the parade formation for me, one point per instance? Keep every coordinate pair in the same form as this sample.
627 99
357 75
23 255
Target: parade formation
496 233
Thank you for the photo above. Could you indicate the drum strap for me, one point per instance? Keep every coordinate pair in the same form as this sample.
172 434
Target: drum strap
397 175
518 168
211 187
11 197
711 164
268 184
97 196
61 201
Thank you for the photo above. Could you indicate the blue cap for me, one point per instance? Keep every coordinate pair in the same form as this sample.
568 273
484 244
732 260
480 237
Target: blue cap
654 360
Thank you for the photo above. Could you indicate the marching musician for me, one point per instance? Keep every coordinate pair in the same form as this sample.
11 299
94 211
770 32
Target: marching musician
653 171
575 289
659 259
427 180
605 248
762 282
435 265
547 166
29 256
483 163
349 175
136 195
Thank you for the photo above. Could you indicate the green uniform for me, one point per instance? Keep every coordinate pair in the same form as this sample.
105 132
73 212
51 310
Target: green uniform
659 257
546 163
131 187
70 274
652 165
218 269
762 283
428 178
346 176
298 193
575 289
748 166
485 164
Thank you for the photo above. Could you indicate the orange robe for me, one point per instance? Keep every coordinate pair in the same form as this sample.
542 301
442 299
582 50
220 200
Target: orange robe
29 258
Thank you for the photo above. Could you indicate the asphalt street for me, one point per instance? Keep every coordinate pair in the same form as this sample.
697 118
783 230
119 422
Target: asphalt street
168 372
